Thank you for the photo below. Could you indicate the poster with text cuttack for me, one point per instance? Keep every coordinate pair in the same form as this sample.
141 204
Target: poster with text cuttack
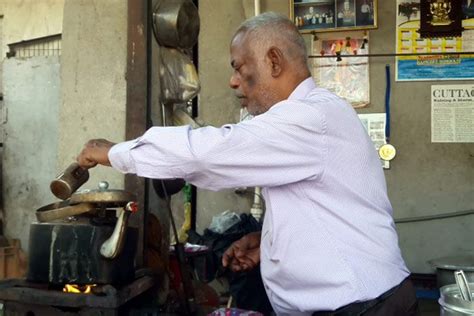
452 113
431 66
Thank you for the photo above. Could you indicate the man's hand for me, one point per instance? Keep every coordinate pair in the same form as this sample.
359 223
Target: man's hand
244 254
95 151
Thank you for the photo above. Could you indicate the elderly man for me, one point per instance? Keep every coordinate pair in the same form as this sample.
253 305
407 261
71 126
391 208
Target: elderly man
328 244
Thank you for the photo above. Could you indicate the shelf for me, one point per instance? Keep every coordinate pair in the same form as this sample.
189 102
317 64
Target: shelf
312 4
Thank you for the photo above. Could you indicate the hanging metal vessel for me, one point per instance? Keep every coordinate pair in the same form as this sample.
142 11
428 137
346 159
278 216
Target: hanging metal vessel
179 80
176 23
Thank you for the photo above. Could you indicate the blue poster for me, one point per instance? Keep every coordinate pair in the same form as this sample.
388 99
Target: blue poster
450 66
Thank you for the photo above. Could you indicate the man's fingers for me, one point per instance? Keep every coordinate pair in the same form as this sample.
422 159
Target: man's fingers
230 259
225 261
238 257
239 253
84 161
95 152
88 164
228 256
232 263
235 266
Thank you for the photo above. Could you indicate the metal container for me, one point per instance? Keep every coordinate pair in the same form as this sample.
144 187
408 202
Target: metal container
176 23
451 303
69 181
69 253
446 266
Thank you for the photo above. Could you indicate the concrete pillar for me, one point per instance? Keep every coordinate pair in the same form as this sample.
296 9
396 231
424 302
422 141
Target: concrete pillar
94 58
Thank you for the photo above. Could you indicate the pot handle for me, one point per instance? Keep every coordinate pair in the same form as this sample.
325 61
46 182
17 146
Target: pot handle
463 285
112 247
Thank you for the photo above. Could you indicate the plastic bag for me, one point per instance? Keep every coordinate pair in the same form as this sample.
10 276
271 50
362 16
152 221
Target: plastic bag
179 80
234 312
220 223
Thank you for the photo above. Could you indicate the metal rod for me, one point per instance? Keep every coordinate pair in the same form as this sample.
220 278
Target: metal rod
257 7
188 290
391 55
433 217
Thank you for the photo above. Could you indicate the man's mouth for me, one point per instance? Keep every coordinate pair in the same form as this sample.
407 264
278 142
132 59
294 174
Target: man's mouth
242 99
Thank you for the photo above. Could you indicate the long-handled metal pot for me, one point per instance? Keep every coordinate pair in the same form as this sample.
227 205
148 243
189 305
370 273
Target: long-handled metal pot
176 23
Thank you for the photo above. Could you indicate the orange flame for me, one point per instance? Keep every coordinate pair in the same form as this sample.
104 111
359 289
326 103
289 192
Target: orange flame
74 288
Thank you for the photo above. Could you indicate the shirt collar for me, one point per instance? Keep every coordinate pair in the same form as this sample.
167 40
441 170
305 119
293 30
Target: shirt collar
302 90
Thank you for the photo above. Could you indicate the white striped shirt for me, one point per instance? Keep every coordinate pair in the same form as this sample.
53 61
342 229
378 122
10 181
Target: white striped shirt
328 236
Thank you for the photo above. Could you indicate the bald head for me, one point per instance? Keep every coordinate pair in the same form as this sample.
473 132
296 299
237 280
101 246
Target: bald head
272 29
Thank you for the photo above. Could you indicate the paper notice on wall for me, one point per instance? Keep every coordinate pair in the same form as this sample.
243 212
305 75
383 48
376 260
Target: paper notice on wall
452 113
374 124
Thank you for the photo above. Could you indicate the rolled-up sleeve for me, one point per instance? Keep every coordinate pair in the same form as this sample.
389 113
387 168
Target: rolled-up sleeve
120 159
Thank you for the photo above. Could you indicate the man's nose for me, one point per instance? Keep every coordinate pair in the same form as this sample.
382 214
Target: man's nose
234 82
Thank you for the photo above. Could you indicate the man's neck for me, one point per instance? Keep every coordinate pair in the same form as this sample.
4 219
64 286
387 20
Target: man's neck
293 82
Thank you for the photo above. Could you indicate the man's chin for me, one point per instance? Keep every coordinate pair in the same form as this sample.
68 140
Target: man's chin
250 111
246 108
253 111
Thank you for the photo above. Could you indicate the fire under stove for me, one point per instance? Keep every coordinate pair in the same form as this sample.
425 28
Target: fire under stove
24 298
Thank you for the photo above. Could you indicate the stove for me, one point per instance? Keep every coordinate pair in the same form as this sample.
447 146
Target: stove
68 252
80 243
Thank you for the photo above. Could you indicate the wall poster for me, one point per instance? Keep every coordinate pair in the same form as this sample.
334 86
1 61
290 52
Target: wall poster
374 124
333 15
433 67
347 77
452 113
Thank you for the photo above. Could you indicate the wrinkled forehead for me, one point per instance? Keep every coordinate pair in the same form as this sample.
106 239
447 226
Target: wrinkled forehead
240 45
240 40
245 43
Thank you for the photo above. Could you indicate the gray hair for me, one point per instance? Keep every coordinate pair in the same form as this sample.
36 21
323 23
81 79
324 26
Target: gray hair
271 28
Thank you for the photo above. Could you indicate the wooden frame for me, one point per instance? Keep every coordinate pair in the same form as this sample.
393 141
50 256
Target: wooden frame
333 15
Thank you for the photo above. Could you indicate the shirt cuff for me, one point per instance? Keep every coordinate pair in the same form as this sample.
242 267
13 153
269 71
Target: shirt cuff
120 158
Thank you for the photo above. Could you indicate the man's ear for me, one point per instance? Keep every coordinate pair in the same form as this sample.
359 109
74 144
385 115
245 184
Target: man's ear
275 59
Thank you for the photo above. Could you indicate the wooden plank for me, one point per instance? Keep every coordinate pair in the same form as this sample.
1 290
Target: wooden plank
136 106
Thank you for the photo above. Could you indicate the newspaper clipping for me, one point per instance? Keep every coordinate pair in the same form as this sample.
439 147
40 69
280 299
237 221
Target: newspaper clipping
374 124
452 113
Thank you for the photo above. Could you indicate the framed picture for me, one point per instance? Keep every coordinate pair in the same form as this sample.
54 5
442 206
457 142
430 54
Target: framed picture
333 15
